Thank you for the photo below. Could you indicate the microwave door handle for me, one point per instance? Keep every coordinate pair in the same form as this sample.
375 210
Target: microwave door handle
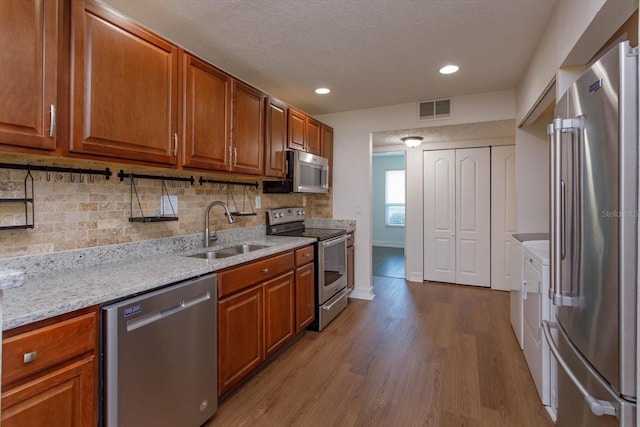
598 407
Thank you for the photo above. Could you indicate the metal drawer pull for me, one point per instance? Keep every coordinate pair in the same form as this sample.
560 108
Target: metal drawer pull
597 406
265 270
307 254
29 357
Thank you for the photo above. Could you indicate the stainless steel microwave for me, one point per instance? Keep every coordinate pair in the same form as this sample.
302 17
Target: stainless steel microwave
306 173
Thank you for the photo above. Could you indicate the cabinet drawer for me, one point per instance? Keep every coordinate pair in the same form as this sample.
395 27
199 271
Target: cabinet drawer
48 346
304 255
238 278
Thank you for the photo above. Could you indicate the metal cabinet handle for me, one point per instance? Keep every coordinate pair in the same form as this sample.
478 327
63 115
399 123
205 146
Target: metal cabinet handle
265 270
307 254
597 406
29 357
52 129
175 146
235 156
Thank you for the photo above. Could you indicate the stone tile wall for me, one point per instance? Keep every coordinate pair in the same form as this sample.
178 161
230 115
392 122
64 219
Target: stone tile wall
74 214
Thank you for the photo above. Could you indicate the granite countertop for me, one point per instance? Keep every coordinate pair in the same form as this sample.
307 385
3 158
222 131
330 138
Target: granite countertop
524 237
10 278
49 295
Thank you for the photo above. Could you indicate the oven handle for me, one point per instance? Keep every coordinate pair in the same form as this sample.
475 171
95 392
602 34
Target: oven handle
327 243
337 298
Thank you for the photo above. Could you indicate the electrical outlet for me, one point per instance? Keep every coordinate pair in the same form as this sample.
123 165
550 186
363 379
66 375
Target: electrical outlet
169 205
304 200
258 202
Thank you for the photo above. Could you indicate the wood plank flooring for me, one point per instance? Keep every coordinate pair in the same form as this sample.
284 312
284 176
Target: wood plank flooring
388 262
419 354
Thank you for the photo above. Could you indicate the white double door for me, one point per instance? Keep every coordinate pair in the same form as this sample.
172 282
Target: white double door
457 216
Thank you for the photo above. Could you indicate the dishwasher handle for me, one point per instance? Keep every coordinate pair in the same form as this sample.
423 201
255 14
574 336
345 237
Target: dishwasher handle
149 318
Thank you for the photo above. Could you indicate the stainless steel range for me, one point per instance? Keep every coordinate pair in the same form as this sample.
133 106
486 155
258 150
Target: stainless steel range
330 261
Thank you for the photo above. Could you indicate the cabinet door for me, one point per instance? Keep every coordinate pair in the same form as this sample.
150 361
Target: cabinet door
125 86
207 106
247 129
240 336
351 257
276 139
439 216
29 32
305 296
327 149
296 130
278 312
314 144
64 397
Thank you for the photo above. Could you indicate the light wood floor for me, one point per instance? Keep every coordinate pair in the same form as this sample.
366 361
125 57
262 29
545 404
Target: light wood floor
388 262
418 354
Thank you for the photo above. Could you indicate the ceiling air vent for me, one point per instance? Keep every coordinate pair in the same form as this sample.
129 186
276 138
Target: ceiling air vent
436 109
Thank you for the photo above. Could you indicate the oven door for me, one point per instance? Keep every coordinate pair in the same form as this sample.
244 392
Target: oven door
310 173
332 267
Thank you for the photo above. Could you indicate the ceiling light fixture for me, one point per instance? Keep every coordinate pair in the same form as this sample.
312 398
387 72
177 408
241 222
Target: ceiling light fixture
449 69
322 91
412 141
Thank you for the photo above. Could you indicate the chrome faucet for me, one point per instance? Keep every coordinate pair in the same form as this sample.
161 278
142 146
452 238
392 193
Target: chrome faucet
207 239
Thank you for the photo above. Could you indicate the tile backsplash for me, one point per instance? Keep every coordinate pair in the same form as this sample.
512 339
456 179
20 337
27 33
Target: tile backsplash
72 212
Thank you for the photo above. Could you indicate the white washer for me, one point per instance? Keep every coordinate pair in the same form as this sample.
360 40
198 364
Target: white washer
537 307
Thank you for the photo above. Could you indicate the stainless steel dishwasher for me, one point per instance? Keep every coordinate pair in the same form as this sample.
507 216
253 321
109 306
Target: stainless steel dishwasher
160 357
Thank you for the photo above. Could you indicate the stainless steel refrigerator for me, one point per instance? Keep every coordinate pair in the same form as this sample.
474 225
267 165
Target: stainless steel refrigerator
594 235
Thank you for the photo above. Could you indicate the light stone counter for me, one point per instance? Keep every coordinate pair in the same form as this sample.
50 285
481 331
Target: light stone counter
345 224
44 295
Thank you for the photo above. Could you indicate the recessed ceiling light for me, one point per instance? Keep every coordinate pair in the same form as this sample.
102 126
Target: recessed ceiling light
322 91
449 69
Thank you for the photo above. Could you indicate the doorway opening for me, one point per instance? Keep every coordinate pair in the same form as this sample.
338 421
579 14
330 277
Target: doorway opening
389 189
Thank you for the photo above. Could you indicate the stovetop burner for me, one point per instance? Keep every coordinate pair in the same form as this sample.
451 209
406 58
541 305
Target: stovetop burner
290 222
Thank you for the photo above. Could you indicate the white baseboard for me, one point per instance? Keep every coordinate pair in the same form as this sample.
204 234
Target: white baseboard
415 276
366 294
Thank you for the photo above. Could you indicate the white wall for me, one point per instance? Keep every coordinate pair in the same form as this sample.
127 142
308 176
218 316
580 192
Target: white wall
384 235
532 182
352 196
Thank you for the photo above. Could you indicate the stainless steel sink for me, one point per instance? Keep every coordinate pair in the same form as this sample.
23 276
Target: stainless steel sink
230 251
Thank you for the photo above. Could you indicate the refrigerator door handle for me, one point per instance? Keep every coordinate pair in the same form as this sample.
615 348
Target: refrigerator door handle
598 407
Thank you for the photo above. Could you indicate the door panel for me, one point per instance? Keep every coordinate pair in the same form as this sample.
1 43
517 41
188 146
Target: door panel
473 210
439 215
503 213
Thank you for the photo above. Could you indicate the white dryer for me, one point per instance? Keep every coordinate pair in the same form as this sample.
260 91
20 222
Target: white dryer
536 306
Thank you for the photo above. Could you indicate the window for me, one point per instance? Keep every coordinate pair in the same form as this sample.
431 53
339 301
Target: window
394 198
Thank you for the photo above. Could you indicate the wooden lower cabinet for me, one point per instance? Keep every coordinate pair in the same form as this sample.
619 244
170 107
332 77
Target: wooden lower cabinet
278 311
257 311
62 397
50 372
240 336
305 296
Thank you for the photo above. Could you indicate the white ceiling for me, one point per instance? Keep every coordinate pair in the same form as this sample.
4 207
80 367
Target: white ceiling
369 52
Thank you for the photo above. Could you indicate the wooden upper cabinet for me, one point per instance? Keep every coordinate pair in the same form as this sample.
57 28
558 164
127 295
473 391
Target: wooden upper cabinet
247 129
29 37
296 130
125 88
206 126
275 139
327 148
312 129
